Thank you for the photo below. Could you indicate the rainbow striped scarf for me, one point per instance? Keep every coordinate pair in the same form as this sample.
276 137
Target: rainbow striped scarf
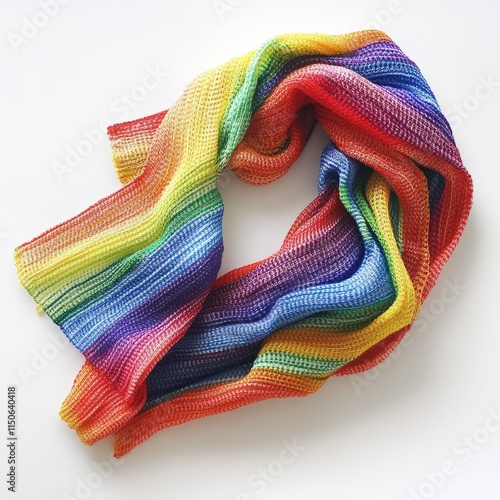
132 281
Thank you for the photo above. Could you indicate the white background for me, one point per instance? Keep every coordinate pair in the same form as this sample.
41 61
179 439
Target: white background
369 438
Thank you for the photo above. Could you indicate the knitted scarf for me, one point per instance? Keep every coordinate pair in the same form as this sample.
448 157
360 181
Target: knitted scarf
133 280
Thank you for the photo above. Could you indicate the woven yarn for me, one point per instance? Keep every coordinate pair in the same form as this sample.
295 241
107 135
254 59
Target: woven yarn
133 280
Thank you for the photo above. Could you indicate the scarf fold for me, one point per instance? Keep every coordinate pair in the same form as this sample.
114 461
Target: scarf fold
133 280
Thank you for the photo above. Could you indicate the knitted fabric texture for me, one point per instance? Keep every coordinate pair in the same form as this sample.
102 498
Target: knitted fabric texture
132 281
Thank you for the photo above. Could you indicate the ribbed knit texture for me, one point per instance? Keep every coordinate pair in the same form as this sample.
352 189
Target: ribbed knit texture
132 280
